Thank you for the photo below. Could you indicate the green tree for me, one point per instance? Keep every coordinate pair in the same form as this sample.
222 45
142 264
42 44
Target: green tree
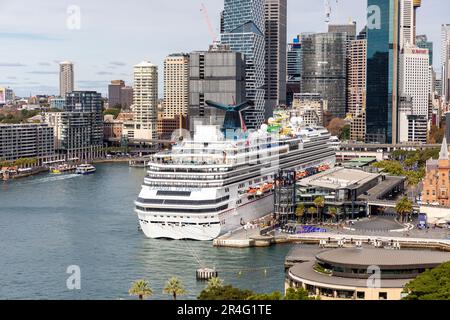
345 133
141 289
436 135
403 208
394 168
227 292
312 211
174 287
319 202
333 212
299 294
274 296
398 154
431 285
112 111
300 211
214 283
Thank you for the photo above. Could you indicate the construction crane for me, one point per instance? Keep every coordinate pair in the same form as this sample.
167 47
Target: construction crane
208 22
327 12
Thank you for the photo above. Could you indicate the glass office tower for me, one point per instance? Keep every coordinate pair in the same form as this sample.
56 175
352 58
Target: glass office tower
243 31
324 69
382 71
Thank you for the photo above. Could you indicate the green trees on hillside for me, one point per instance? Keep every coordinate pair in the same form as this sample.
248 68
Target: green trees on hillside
431 285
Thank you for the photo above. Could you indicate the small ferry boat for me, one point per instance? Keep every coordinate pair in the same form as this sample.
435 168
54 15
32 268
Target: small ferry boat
85 169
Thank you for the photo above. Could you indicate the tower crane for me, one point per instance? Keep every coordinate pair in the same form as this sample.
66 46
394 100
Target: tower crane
213 34
327 12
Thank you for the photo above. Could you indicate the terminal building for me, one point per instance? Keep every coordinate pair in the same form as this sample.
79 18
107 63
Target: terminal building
341 188
362 274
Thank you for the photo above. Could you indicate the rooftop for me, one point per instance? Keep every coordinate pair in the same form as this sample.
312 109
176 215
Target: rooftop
306 271
360 162
145 64
339 178
352 258
383 258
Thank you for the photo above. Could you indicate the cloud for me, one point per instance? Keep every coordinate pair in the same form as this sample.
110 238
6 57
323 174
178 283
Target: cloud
11 64
45 64
86 84
28 36
11 78
43 72
25 91
105 73
118 63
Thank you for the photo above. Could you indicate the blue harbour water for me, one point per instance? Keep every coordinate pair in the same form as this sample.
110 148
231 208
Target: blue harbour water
49 222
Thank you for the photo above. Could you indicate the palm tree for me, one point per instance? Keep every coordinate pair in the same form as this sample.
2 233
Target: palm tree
174 287
300 211
413 179
403 207
332 212
141 289
319 202
312 211
214 283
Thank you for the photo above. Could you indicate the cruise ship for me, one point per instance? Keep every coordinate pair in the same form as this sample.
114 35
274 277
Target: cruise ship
223 178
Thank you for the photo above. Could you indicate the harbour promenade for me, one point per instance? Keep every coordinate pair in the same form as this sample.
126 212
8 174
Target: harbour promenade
405 237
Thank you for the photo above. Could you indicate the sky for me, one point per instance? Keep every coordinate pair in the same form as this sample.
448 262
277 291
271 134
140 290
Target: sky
113 35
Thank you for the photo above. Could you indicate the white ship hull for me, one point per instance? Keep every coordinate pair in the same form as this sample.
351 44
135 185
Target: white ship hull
233 218
206 187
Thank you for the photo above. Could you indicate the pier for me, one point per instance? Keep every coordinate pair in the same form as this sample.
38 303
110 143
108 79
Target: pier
241 239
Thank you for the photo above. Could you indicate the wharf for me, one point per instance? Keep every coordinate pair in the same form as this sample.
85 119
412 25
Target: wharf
253 238
19 175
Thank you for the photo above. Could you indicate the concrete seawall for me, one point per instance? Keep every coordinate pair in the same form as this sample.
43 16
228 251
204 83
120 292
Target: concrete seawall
236 241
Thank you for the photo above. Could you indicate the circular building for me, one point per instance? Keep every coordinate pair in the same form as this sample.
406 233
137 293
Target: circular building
364 274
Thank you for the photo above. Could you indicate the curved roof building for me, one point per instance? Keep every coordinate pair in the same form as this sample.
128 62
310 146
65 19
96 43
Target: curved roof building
362 274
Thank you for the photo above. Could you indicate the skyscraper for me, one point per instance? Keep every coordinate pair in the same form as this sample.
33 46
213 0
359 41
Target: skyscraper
294 68
126 97
176 85
243 26
66 78
407 23
415 78
78 128
422 42
275 34
145 102
114 92
217 75
414 83
356 81
445 56
382 71
349 29
417 4
324 69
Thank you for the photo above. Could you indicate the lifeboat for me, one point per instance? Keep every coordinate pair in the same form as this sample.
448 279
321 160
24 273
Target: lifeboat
267 187
252 191
301 174
323 168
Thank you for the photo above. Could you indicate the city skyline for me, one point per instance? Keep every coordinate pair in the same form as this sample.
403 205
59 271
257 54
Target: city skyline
37 44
